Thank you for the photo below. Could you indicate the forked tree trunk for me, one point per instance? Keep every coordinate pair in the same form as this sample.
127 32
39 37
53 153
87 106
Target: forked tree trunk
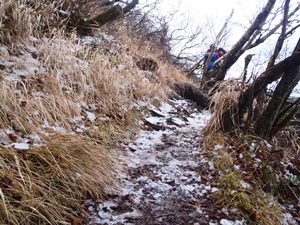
270 75
266 122
278 46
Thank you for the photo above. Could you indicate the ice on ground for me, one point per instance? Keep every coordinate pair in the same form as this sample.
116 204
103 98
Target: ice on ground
21 146
218 147
149 139
178 121
288 219
214 189
35 137
245 184
229 222
91 116
166 108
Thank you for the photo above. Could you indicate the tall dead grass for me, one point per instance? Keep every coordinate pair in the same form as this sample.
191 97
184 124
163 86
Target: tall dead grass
223 101
47 185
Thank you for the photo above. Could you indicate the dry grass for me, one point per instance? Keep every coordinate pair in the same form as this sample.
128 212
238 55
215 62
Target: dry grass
223 101
213 139
222 161
71 78
21 18
253 203
62 78
45 185
167 74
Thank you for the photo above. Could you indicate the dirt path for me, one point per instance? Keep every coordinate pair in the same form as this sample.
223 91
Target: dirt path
168 180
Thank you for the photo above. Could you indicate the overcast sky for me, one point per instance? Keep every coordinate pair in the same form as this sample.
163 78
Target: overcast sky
199 11
217 9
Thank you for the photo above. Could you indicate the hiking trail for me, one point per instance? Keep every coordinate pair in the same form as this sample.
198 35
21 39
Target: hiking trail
168 180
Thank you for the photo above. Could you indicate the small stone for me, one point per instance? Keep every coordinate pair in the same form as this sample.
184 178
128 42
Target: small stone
21 146
34 55
23 103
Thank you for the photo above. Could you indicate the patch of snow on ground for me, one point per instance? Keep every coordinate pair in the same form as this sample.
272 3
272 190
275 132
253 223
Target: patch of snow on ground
228 222
91 116
21 146
288 219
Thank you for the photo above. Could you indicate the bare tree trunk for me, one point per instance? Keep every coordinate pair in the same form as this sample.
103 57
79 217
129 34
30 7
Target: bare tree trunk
270 75
281 38
87 14
245 72
266 122
278 46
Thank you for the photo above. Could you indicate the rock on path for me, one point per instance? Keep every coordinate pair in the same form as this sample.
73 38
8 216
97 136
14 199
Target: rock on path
164 183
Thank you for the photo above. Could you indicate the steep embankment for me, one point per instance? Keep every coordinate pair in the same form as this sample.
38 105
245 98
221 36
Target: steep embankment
66 101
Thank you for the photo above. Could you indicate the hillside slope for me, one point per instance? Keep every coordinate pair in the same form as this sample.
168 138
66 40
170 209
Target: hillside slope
66 101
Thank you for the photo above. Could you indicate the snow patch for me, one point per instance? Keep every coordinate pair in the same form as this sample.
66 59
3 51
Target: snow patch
91 116
229 222
21 146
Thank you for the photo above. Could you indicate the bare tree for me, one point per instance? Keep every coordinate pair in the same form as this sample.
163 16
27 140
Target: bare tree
278 112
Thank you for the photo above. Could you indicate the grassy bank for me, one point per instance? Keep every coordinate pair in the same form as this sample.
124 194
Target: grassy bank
66 102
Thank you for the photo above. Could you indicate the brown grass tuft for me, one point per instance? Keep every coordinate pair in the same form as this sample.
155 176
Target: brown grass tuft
44 185
255 204
222 161
213 139
224 100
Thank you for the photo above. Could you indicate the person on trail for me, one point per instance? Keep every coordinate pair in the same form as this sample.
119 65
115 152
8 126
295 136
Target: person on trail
210 57
221 52
213 54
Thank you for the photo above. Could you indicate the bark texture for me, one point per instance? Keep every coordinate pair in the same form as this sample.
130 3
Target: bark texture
271 116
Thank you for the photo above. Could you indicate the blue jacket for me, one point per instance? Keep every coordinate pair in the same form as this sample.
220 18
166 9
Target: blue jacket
212 61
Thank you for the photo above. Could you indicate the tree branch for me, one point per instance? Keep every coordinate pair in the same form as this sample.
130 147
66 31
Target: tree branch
231 57
281 38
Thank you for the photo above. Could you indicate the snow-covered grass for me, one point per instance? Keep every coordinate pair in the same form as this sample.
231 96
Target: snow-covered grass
65 102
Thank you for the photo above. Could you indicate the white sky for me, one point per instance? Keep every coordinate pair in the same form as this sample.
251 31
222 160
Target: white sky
199 11
217 9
